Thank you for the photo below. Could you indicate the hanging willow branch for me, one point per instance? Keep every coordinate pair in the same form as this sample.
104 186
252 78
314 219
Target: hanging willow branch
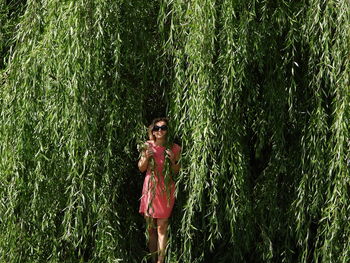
64 108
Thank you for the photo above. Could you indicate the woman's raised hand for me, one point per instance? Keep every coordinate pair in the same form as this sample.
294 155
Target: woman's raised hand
149 152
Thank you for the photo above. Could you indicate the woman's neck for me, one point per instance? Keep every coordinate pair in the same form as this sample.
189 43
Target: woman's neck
159 142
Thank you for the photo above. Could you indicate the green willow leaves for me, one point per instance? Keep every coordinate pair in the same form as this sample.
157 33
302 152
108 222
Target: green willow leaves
258 96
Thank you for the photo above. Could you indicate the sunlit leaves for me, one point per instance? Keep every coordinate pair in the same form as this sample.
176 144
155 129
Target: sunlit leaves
258 96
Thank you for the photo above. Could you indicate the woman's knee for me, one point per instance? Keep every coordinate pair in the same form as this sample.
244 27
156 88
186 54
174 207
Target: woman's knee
162 226
151 225
152 231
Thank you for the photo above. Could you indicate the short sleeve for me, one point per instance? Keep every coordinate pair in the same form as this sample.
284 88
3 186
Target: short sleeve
176 149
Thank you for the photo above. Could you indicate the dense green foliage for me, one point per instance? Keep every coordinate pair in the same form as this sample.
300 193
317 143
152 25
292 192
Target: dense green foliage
258 95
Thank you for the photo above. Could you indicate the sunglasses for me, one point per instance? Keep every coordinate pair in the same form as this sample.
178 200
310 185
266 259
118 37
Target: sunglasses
158 128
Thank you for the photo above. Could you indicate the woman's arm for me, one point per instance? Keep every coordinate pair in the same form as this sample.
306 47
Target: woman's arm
175 166
143 162
174 159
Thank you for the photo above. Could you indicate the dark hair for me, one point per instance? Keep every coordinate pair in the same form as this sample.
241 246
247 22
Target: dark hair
153 123
149 132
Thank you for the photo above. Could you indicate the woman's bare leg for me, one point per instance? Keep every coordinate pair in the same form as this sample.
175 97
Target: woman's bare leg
153 237
162 228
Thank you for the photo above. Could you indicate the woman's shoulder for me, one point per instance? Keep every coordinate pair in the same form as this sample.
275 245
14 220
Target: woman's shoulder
176 147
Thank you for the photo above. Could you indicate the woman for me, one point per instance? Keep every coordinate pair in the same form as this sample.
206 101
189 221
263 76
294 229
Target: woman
158 198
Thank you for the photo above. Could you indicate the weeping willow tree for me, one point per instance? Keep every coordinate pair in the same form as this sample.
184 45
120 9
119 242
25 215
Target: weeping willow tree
70 112
258 95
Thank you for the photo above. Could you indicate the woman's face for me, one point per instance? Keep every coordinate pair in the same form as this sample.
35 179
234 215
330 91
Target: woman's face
160 130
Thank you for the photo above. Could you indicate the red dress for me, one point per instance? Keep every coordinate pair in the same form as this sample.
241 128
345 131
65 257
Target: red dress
154 200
